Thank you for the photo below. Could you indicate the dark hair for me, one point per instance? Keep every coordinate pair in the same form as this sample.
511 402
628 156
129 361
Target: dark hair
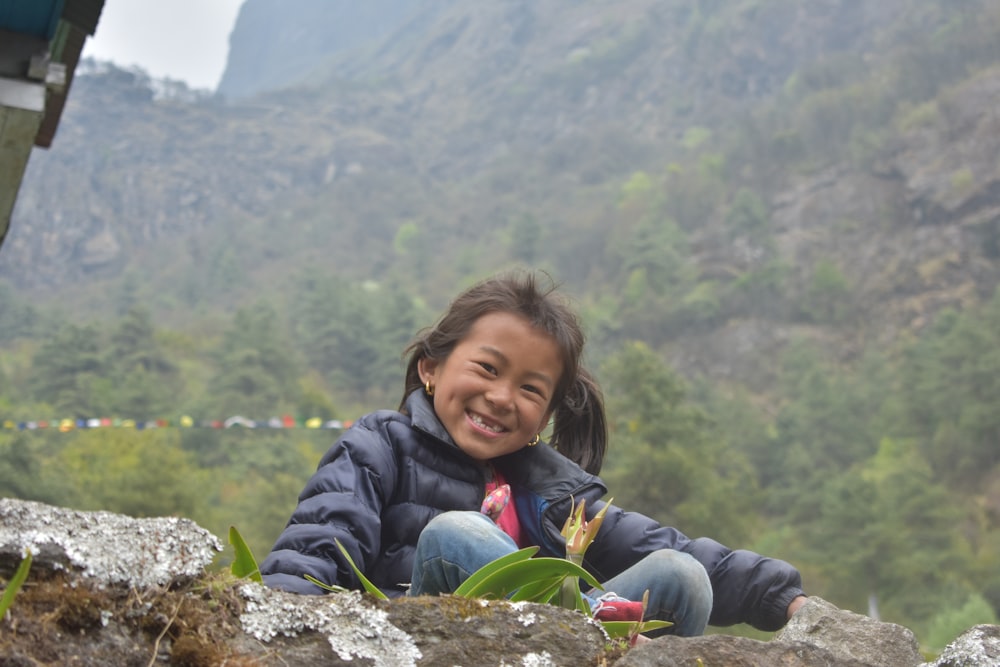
579 429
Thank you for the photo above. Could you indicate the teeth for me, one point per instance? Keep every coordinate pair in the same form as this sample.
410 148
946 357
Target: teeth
478 421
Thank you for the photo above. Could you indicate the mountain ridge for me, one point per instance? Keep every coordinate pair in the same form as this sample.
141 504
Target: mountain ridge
428 151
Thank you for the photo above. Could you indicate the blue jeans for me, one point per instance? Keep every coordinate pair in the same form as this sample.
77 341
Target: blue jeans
456 544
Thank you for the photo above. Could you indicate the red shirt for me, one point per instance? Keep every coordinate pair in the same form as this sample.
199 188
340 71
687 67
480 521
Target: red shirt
498 506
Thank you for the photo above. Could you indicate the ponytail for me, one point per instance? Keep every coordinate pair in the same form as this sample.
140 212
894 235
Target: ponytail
580 429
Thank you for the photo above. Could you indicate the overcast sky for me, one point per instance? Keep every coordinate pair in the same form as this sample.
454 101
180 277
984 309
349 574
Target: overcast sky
180 39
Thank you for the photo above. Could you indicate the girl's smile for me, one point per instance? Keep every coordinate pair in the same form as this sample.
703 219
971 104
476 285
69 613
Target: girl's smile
493 392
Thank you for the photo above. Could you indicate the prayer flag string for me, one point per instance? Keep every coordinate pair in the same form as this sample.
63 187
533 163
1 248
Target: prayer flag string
65 425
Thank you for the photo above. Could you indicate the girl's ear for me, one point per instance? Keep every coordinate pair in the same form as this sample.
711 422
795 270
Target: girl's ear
427 367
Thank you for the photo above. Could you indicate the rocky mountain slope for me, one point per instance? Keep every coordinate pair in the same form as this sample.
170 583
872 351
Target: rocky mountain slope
458 121
272 48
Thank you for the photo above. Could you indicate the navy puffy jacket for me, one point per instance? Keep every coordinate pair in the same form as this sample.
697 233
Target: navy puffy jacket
391 473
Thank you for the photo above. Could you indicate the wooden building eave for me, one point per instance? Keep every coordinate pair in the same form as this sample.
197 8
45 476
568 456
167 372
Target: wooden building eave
40 47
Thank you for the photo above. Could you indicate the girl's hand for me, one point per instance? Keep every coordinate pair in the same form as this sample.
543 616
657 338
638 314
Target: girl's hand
795 605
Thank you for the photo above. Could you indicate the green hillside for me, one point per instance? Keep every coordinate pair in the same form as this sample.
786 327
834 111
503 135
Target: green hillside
780 220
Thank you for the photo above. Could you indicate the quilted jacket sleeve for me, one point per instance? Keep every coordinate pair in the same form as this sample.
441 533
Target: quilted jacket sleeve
747 587
342 501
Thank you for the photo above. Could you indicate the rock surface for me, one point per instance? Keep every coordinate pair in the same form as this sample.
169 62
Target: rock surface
852 637
105 589
980 645
106 548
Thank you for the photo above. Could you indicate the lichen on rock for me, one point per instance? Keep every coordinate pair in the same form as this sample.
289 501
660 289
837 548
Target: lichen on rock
106 589
979 645
353 628
106 547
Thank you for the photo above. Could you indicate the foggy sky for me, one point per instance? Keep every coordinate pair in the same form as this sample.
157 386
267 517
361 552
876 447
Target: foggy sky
179 39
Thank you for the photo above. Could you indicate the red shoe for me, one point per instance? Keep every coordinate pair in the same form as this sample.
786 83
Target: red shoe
612 607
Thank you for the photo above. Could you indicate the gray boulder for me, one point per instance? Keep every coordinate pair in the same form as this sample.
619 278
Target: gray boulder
977 646
105 589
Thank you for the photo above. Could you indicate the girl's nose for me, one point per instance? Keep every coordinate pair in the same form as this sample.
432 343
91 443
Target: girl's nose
500 395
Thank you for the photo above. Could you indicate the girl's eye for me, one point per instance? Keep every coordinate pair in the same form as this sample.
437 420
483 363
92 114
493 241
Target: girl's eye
533 389
488 368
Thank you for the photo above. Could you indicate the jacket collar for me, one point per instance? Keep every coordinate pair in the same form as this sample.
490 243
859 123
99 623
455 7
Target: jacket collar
547 472
423 417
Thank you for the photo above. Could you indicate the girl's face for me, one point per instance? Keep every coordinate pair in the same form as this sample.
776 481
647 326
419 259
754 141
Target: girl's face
493 392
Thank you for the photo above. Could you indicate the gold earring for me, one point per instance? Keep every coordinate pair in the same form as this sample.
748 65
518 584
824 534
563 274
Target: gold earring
429 388
535 440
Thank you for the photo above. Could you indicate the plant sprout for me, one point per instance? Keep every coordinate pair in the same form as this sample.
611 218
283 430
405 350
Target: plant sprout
518 577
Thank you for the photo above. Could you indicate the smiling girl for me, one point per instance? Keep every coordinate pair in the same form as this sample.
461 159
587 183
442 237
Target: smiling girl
458 476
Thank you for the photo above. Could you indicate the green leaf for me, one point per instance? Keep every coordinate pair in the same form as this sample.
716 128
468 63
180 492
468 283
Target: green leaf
330 587
369 586
14 585
617 629
487 570
244 565
570 596
521 573
541 591
646 626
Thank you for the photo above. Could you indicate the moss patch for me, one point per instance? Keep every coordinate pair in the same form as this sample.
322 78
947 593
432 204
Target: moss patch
56 620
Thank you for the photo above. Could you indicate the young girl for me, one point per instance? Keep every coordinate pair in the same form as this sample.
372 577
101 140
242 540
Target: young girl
404 490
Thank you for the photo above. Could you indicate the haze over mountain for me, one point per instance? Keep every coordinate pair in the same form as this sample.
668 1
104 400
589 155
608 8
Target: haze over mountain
780 221
272 49
701 166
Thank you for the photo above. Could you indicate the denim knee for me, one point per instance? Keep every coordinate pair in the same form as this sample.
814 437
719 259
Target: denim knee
679 586
452 546
448 530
